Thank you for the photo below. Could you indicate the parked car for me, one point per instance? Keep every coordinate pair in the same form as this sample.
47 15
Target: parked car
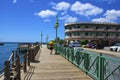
118 49
115 47
75 45
91 45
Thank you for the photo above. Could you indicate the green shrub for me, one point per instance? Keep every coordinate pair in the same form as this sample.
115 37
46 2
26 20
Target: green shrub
84 42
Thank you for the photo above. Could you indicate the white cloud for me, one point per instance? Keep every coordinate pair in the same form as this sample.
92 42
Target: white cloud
110 16
86 9
46 13
63 13
68 18
14 1
101 20
60 6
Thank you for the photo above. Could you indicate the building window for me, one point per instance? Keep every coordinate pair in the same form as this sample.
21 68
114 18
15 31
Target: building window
110 34
76 26
106 34
118 28
68 34
86 27
99 27
88 33
70 28
76 33
109 27
118 34
99 34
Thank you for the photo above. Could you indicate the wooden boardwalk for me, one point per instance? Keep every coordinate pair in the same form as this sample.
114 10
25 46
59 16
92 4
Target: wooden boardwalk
53 67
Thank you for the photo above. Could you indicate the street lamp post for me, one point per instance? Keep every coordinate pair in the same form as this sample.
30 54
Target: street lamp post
56 26
47 39
41 39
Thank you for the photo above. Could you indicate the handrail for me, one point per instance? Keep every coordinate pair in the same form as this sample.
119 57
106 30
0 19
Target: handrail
14 63
11 56
98 66
1 70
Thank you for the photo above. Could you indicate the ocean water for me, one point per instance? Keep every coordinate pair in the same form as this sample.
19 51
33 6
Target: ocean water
5 52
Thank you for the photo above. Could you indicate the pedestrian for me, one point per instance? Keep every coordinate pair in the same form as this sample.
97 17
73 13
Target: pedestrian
51 44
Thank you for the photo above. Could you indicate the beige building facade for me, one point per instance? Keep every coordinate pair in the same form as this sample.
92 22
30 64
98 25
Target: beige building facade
92 31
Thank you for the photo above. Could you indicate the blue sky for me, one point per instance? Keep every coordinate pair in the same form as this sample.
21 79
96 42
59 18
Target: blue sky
24 20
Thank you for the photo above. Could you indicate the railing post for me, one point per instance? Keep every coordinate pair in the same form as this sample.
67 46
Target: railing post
66 52
97 66
86 62
7 70
72 55
18 67
34 52
13 59
25 61
28 53
101 67
31 55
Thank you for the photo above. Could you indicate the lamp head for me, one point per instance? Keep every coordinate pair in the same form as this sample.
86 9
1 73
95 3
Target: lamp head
56 24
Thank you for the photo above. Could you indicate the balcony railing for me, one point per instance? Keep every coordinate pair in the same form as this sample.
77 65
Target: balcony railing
67 36
100 36
111 30
67 30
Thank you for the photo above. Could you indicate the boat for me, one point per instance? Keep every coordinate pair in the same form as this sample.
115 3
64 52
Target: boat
1 43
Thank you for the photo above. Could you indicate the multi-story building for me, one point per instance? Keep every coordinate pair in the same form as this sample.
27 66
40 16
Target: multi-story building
92 31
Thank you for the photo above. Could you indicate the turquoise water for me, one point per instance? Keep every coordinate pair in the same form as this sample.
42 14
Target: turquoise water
5 52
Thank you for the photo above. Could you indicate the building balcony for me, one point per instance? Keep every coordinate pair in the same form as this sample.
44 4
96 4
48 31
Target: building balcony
111 30
76 37
89 29
100 37
89 36
76 29
101 29
111 37
67 37
82 36
68 30
118 37
118 30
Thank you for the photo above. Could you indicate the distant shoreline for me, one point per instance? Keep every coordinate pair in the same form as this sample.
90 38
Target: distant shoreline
20 42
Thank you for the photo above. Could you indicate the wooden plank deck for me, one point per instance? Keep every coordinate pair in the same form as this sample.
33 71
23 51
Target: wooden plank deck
53 67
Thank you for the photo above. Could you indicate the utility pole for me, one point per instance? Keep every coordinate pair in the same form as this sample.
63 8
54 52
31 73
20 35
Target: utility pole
47 39
56 26
41 39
